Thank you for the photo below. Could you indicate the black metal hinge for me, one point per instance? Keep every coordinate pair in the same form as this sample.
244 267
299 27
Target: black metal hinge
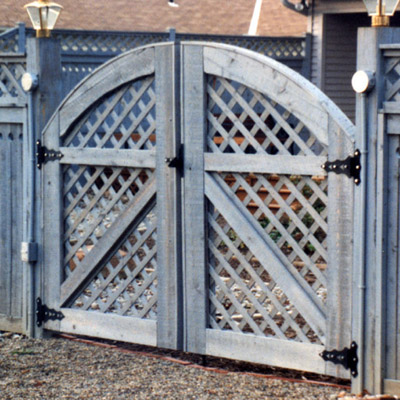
43 154
346 357
351 167
44 314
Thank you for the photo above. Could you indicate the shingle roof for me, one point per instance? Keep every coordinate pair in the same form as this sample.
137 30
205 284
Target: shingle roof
193 16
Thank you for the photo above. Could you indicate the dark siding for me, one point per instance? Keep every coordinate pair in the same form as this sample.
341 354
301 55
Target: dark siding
340 58
339 38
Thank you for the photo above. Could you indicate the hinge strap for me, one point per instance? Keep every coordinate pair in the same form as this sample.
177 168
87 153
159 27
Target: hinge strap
346 357
351 167
43 154
44 314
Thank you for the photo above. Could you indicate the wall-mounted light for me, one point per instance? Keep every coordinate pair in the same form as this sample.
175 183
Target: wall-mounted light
43 15
381 11
172 3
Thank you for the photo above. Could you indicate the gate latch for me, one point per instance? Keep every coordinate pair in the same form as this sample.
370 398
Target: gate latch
176 162
43 154
350 166
44 314
346 357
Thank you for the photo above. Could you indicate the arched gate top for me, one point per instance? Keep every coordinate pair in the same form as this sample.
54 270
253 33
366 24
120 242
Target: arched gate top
283 85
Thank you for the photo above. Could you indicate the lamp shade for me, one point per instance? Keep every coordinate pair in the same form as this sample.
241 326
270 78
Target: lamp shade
381 7
43 15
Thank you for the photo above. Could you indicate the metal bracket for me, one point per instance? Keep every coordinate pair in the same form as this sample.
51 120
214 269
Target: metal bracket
346 357
43 154
351 167
44 314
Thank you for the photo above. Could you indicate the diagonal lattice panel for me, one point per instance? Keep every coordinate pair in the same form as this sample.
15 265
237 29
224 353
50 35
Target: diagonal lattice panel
243 296
125 119
392 79
126 283
293 212
94 198
243 120
10 77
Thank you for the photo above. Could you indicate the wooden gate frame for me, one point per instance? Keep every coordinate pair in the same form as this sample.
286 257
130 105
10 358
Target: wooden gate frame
332 128
184 319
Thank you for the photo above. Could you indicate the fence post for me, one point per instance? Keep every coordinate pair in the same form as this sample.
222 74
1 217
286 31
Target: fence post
43 60
368 271
21 38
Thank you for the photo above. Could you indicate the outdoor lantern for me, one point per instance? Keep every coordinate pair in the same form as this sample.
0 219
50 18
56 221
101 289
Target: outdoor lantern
43 14
381 10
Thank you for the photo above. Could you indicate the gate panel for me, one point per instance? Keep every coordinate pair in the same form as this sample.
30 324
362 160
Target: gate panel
108 270
267 206
11 222
254 269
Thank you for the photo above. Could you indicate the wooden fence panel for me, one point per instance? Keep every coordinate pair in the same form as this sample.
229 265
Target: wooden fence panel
11 205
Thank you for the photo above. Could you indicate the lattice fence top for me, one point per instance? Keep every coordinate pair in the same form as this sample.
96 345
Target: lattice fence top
105 43
10 41
392 73
11 71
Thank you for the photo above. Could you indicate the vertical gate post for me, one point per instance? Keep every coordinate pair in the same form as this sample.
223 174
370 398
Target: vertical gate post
44 61
194 128
169 260
368 275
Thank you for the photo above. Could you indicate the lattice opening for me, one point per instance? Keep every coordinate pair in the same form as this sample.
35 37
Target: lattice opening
292 211
243 120
392 79
127 282
10 77
94 197
124 119
243 296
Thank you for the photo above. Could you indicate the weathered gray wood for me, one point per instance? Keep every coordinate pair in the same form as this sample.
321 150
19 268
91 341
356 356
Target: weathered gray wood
109 157
340 248
247 347
193 100
257 241
12 115
109 326
391 386
300 165
267 292
283 85
52 253
103 246
10 324
169 261
131 65
382 230
364 326
11 267
44 59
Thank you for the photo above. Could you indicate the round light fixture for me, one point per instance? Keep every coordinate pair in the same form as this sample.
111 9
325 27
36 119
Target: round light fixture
363 81
29 81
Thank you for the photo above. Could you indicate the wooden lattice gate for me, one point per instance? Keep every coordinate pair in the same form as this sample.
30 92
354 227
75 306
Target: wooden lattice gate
185 206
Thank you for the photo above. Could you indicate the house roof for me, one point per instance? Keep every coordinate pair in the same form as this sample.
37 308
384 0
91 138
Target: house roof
230 17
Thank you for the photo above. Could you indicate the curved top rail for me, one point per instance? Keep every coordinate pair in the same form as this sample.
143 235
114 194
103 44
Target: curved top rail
280 83
261 73
131 65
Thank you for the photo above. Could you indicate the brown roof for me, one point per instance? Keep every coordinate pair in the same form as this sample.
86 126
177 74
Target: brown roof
193 16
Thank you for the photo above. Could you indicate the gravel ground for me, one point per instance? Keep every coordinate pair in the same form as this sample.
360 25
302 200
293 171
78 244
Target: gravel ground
59 368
